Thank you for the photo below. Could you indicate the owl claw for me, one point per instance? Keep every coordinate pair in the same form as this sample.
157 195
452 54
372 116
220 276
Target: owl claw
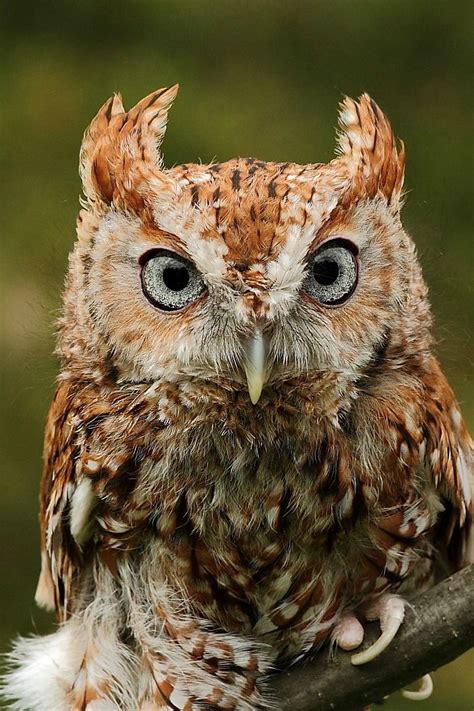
390 611
424 692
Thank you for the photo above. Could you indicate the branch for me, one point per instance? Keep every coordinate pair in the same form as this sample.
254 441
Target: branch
438 627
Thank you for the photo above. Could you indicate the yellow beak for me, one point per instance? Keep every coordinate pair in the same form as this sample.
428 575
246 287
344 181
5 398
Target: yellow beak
255 365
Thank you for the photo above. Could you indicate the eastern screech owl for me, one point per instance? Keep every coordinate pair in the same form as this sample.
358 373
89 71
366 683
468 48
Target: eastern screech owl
251 447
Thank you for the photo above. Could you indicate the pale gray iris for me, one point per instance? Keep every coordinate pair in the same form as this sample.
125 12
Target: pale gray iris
171 282
332 274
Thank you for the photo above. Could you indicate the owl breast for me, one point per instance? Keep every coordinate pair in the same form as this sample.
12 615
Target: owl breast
261 527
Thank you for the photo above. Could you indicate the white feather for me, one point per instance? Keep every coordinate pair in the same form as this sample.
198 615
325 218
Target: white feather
43 670
82 505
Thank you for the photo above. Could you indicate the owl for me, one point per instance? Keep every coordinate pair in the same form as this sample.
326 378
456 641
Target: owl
251 449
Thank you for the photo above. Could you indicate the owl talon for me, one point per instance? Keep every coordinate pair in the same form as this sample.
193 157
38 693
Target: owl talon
424 692
390 611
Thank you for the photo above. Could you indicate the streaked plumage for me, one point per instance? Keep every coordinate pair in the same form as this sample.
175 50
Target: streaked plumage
193 540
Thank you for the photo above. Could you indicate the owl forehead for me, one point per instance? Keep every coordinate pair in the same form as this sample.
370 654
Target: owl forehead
246 210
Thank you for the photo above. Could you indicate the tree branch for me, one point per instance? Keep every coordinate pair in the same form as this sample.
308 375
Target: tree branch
438 627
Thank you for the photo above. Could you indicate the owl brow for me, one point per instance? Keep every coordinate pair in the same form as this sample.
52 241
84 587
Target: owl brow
336 220
160 238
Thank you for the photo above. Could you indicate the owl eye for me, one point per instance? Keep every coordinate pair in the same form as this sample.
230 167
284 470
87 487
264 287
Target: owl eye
332 273
169 281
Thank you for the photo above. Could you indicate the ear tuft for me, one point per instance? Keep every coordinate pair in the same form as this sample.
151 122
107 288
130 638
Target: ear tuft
116 138
368 146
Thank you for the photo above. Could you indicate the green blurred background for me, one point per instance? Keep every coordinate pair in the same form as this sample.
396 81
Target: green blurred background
257 79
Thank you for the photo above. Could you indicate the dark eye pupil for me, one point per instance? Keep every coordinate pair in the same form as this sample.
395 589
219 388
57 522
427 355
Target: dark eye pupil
176 278
326 271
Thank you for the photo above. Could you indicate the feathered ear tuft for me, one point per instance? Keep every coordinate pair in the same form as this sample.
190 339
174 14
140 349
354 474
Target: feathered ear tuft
367 144
118 143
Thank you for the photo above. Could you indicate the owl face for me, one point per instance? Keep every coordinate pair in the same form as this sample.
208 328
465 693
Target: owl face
244 273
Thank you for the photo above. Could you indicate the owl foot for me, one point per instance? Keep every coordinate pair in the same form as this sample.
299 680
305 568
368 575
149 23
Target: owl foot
348 633
390 611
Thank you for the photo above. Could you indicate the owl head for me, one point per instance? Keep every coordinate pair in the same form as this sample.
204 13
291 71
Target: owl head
245 273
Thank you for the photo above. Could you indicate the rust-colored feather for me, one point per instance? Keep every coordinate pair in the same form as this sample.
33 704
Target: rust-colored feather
367 143
118 140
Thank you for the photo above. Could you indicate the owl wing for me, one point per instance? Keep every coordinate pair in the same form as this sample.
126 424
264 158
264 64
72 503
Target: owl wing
449 460
61 554
90 465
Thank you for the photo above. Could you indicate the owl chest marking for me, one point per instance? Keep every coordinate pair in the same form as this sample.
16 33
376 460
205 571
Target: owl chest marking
242 531
251 531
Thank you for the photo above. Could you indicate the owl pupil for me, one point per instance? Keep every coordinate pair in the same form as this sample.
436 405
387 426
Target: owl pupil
176 278
326 271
